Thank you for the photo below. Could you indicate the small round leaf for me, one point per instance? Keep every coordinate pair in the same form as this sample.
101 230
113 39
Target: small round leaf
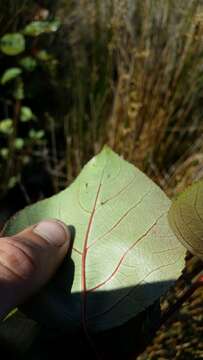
26 114
28 63
12 44
6 126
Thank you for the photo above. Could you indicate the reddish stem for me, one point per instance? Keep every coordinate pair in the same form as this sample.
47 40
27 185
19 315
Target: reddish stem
83 278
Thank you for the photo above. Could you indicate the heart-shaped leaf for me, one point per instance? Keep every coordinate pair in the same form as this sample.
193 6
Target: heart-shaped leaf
186 218
125 255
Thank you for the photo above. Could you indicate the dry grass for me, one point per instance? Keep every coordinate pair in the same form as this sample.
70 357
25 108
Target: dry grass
180 337
157 118
136 83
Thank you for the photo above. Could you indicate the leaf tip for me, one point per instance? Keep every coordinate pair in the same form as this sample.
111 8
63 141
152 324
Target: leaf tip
106 149
105 153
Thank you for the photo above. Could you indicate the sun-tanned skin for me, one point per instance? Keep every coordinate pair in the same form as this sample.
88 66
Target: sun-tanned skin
23 258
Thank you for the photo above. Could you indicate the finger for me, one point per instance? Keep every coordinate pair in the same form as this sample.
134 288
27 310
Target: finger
29 259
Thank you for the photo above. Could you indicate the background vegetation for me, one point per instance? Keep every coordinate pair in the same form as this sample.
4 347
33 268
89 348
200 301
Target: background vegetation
77 74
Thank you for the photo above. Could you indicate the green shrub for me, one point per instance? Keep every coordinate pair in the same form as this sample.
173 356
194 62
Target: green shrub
25 61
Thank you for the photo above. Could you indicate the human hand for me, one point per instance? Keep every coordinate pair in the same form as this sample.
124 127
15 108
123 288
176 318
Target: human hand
29 259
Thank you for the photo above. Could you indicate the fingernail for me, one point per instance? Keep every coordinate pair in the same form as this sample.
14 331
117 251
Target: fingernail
54 231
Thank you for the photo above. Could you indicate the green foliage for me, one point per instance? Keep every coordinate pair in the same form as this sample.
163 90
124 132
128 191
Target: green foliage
6 126
10 74
19 143
26 114
52 81
37 28
22 57
29 63
12 44
36 135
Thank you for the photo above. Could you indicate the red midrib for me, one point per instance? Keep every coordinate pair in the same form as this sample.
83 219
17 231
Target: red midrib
84 257
124 256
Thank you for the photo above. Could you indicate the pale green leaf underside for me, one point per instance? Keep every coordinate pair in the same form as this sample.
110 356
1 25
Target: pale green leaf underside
186 218
131 254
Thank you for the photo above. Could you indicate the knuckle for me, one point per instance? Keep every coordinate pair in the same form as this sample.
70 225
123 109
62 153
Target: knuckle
16 260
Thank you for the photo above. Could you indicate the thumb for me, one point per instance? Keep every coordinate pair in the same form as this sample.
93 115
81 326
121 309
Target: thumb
29 259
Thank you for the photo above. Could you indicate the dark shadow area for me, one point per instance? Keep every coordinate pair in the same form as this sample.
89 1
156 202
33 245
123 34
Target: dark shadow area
36 184
53 337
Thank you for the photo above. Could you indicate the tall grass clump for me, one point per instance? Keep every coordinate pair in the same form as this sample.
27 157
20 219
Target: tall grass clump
157 116
133 78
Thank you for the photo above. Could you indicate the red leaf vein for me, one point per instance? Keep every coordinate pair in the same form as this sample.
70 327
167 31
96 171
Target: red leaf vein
123 258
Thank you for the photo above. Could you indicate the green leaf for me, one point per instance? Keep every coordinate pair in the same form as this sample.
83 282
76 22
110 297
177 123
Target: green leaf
13 181
124 254
26 114
19 143
4 152
6 126
10 74
36 134
36 28
12 44
18 92
28 63
43 55
11 313
186 218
